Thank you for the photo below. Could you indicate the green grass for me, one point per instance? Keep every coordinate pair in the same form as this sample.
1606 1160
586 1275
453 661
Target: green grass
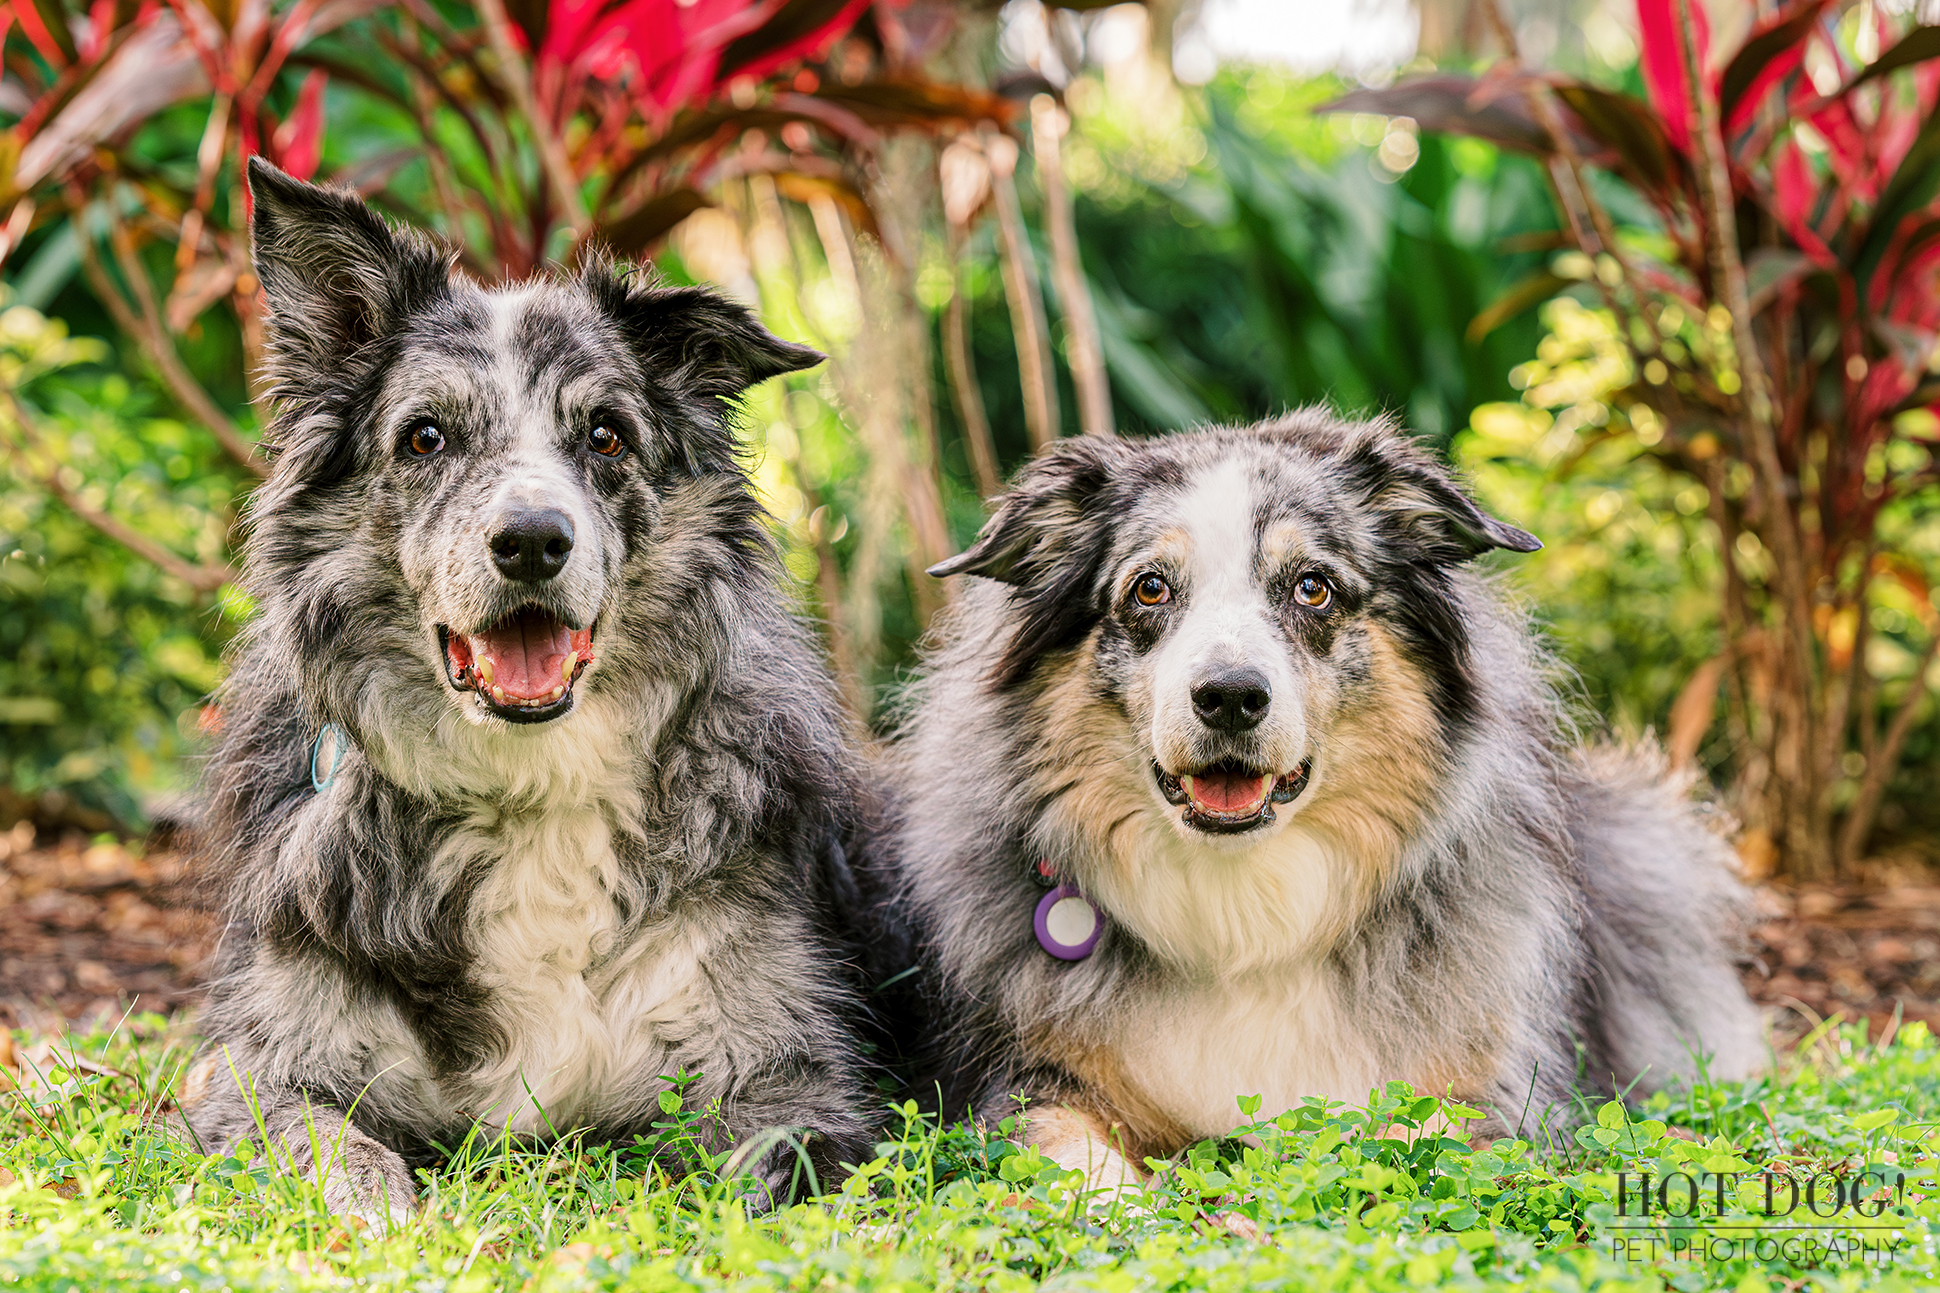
1384 1196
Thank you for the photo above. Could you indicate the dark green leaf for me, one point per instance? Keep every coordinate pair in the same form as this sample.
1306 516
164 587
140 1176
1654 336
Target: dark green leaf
638 229
1913 186
1628 130
1456 105
795 21
53 16
1917 46
1758 52
530 16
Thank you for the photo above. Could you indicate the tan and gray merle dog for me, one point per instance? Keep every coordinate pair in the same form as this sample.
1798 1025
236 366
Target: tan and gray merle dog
1229 777
530 792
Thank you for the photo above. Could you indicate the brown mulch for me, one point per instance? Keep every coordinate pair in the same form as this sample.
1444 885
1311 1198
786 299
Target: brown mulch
1821 950
87 927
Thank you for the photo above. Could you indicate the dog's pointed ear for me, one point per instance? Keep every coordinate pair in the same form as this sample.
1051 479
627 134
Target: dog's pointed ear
1049 515
699 339
1421 501
335 277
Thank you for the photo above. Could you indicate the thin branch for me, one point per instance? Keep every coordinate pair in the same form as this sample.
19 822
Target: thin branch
1728 284
1732 608
443 182
1084 348
828 570
961 366
517 80
430 73
896 199
1846 691
828 590
1022 291
202 578
1879 768
147 328
1573 192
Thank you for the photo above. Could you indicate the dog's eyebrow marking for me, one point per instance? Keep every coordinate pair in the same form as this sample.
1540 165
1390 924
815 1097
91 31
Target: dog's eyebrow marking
1283 542
589 392
1173 547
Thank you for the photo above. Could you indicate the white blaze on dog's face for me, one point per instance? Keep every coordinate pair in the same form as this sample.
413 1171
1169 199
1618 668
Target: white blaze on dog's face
1228 696
1231 632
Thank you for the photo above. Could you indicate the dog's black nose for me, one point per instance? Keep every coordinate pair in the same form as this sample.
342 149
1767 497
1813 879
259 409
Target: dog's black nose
532 546
1232 700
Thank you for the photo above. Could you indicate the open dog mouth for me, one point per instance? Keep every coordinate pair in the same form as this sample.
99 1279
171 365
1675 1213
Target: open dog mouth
523 666
1228 797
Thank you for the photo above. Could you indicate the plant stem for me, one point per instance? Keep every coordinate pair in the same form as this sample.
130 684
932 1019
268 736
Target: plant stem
147 329
1085 349
517 80
1794 692
961 367
1022 291
1858 825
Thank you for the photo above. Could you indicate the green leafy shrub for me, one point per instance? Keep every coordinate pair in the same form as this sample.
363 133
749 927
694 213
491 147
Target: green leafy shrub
104 659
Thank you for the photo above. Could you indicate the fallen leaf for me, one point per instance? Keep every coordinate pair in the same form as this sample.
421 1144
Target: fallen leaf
1239 1225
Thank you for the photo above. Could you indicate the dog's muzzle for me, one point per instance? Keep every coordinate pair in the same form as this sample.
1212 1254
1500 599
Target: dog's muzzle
523 665
1230 798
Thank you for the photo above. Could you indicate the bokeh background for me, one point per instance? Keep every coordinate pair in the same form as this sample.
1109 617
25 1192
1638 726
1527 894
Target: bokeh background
1521 227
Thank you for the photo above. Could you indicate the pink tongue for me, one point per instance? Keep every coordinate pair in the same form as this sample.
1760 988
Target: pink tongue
525 652
1228 792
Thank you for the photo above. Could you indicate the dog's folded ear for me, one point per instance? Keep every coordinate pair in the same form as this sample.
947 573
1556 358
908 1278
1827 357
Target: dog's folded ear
697 338
335 277
1050 515
1420 500
1047 540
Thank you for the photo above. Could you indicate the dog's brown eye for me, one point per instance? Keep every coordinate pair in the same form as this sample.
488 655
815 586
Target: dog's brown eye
1150 590
427 439
1312 591
605 440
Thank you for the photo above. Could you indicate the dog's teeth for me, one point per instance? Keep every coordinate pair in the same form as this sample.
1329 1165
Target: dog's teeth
498 694
555 693
566 663
485 669
1185 784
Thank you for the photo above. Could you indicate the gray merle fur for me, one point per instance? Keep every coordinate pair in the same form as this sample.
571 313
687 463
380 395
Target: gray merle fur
1393 862
510 910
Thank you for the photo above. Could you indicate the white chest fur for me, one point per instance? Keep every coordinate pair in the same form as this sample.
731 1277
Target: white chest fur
583 1016
1250 1006
586 1005
1192 1050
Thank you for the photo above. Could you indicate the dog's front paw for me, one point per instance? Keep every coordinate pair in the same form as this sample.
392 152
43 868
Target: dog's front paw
1083 1142
363 1179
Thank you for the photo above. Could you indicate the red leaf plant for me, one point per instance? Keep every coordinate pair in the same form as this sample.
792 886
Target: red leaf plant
534 129
1794 183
